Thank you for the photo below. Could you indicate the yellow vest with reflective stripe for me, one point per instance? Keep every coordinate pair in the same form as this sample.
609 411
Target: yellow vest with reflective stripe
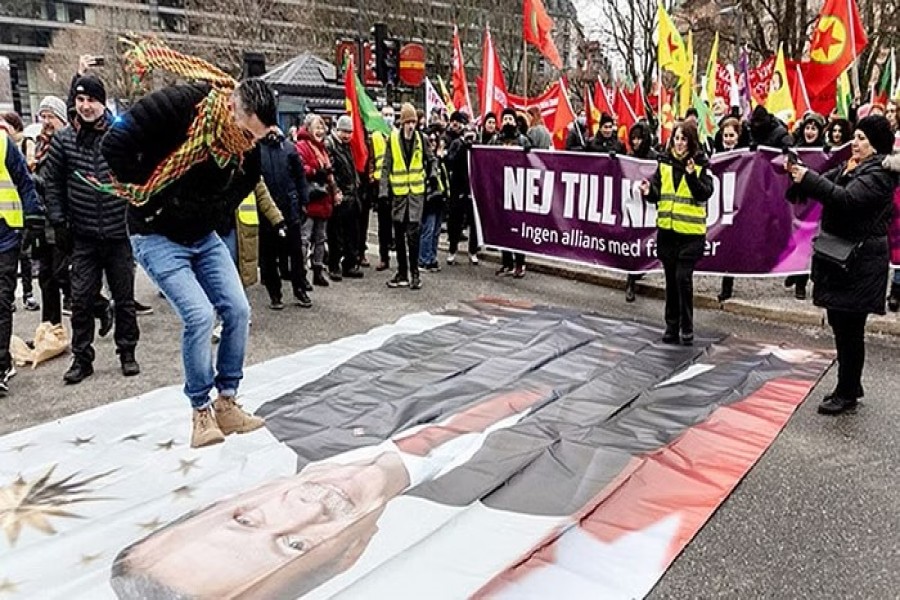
379 145
247 213
10 203
407 180
676 209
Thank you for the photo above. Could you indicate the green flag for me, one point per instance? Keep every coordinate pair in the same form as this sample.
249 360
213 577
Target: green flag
843 95
371 116
706 121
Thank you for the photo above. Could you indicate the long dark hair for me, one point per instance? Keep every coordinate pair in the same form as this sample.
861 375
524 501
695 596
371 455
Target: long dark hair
689 131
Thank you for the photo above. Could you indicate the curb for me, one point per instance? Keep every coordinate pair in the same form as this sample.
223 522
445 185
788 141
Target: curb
815 318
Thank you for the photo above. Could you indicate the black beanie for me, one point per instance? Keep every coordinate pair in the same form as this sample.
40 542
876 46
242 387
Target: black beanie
878 131
606 118
490 116
90 85
459 117
508 111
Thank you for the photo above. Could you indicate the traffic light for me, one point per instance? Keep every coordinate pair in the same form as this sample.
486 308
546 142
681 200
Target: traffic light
387 59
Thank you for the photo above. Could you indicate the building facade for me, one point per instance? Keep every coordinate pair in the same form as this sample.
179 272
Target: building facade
219 30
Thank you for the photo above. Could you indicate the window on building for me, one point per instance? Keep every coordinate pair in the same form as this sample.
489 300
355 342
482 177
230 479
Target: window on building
75 13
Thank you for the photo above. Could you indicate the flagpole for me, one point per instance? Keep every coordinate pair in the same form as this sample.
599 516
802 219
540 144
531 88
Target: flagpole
571 109
525 68
855 67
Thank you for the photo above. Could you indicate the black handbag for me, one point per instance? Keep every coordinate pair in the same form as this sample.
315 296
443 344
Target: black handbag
841 252
835 250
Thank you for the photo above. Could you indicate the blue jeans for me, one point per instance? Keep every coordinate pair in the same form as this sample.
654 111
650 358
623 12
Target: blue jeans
230 240
431 232
200 280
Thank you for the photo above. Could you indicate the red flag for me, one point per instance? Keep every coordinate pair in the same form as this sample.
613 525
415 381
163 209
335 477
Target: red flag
799 95
602 99
548 103
564 117
460 87
591 113
638 102
625 117
837 39
536 25
358 141
493 93
666 115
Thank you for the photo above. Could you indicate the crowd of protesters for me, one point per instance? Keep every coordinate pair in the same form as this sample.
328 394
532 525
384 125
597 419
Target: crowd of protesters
307 220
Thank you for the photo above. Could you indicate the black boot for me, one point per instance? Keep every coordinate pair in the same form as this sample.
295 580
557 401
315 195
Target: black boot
319 278
130 366
727 290
894 298
629 289
302 299
78 372
833 404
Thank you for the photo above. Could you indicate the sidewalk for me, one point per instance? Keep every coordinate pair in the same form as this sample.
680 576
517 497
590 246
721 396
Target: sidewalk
758 298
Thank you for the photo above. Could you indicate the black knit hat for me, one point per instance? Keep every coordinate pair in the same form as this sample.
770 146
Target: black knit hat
508 111
606 118
878 131
459 117
91 85
490 116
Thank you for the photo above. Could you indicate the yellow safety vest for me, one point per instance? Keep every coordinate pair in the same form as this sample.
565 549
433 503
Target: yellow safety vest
247 213
676 209
379 145
407 180
10 203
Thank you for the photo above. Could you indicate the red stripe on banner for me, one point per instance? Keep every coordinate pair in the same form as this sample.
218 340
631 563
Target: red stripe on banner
690 478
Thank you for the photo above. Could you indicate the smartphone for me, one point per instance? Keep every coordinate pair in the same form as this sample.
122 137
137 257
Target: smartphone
792 157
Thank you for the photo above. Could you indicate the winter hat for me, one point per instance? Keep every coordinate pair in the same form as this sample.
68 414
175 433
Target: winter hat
606 118
55 105
878 131
508 111
815 118
90 85
459 117
490 116
345 123
408 113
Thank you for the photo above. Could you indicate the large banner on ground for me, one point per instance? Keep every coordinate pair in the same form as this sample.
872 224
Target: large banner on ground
587 208
491 451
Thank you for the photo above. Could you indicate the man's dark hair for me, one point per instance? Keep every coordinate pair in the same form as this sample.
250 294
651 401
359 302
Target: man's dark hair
691 112
259 99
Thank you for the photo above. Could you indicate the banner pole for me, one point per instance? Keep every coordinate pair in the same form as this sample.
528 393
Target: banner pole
525 68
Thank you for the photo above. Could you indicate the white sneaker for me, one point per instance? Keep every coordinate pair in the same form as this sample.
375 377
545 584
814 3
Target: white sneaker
451 259
473 258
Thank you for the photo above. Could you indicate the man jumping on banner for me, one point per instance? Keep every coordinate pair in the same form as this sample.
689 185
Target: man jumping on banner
185 157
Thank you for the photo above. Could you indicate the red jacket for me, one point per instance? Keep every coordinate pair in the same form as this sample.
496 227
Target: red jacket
317 168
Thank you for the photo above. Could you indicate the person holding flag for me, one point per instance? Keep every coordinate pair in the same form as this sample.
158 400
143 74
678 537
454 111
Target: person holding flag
409 166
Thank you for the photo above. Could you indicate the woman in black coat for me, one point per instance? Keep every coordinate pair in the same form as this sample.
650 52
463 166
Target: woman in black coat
856 202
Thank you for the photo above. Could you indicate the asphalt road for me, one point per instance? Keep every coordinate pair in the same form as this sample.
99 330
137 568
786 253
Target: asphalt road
818 517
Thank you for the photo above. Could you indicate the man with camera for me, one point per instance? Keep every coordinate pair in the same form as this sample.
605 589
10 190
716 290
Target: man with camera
457 163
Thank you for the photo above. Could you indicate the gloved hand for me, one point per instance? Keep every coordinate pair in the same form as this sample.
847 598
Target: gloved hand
62 239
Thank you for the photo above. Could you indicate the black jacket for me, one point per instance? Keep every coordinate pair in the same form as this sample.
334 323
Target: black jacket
457 163
600 144
577 138
700 182
769 131
345 176
202 199
282 171
71 201
855 206
516 139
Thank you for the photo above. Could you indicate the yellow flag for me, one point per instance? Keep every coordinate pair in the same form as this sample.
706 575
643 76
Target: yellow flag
779 101
448 99
672 54
711 68
689 74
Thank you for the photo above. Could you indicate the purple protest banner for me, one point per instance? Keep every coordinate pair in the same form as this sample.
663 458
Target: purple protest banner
586 208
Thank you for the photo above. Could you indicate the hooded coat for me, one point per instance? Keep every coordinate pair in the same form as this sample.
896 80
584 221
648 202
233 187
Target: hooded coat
856 206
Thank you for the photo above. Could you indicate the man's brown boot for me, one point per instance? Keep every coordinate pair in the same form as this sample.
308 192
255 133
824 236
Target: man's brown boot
234 419
206 431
